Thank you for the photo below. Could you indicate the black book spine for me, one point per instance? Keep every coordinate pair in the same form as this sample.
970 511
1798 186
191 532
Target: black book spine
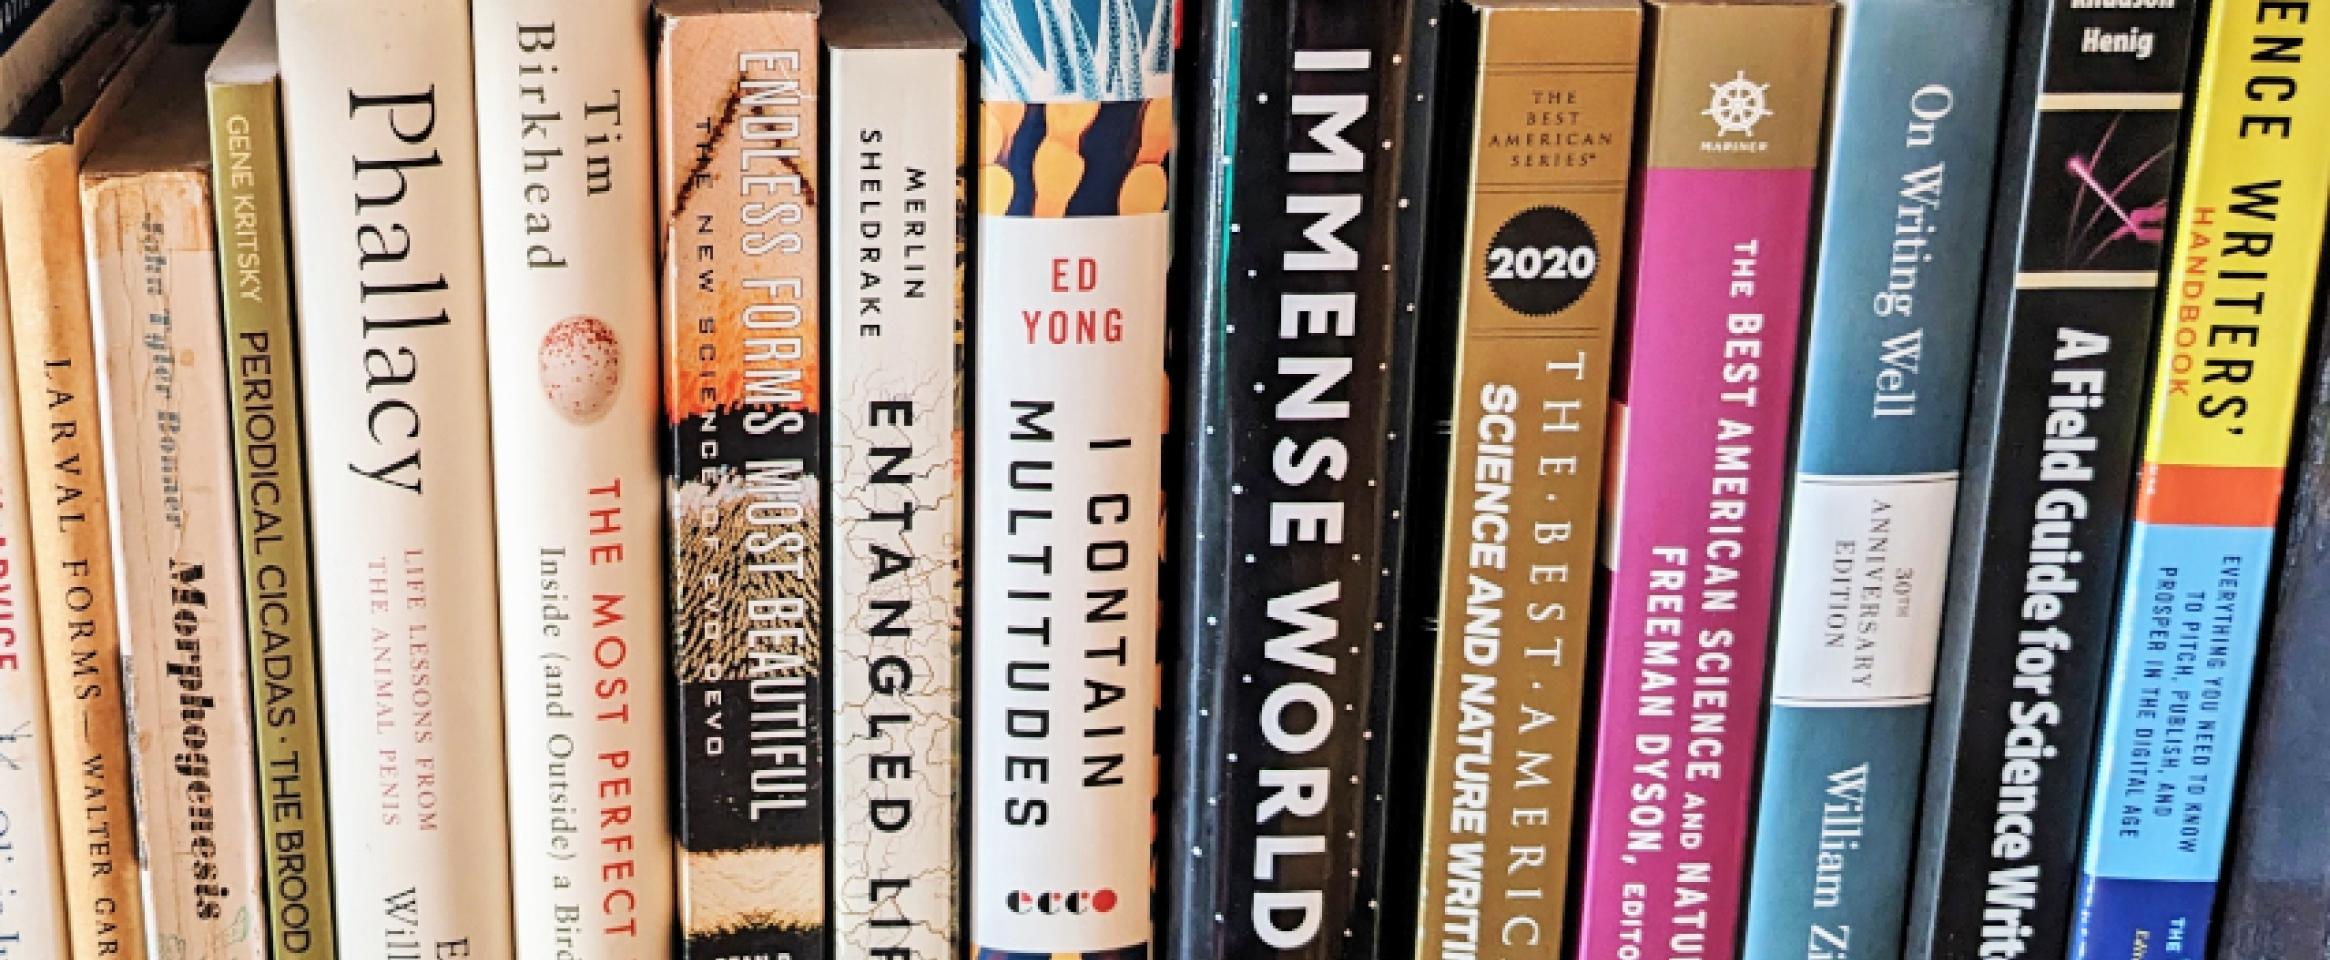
2277 882
1305 280
2087 181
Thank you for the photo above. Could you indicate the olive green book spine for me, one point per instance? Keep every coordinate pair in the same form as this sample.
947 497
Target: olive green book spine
246 154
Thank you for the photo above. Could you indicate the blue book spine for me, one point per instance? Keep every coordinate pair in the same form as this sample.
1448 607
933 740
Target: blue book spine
2186 646
1905 214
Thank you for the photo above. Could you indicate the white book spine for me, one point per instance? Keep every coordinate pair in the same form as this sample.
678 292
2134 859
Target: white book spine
565 147
1068 411
379 116
32 900
895 123
178 561
1064 567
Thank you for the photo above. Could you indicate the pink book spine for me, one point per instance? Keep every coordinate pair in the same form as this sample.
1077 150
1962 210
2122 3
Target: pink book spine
1717 298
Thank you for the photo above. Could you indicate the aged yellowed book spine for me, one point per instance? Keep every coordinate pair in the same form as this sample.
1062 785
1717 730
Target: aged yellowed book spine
32 902
56 382
145 198
1552 132
35 39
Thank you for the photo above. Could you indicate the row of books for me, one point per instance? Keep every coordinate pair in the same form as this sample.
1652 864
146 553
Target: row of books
521 478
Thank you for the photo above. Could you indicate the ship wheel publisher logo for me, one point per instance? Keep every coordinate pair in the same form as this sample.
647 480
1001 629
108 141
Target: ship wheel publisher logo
1060 901
1737 106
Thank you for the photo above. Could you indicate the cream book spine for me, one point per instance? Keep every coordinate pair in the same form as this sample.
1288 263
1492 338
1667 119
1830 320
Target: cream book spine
153 273
565 148
380 129
895 121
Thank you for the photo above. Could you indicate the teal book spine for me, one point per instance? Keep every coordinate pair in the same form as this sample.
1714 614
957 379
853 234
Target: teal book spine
1906 203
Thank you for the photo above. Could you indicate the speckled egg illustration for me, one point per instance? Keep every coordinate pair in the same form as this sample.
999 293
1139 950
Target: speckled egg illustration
581 364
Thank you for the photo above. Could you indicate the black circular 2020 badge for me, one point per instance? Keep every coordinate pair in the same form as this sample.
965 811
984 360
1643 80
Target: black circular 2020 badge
1542 260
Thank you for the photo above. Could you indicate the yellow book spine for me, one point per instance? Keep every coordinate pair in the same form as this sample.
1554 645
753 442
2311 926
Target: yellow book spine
2242 281
2224 399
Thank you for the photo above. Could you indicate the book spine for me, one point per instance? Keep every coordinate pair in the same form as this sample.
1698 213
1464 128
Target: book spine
271 476
380 117
32 903
1067 416
2277 883
1914 129
737 153
1723 218
2227 361
1541 257
56 377
567 197
1297 478
154 290
1414 428
897 122
2088 159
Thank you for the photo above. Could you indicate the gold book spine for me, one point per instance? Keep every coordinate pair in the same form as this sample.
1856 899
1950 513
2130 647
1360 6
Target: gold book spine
1552 133
263 372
